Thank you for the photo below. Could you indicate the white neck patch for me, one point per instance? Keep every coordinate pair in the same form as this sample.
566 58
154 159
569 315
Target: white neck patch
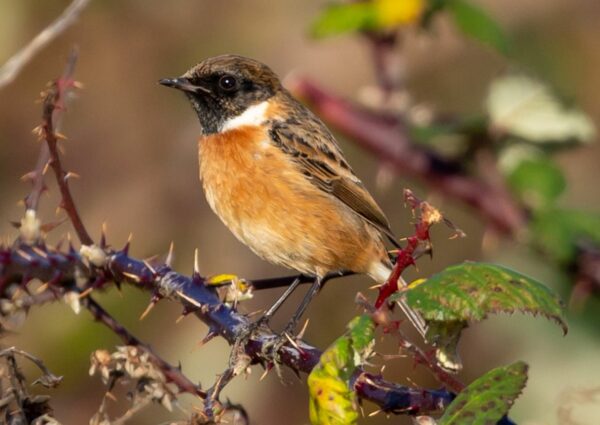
253 116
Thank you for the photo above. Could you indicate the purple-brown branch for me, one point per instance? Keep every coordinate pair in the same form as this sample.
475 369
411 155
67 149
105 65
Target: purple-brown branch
55 100
203 301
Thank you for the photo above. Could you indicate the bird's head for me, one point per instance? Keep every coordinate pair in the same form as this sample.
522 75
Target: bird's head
222 88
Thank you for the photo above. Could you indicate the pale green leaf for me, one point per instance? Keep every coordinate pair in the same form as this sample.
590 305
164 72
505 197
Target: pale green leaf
332 401
487 399
526 108
469 292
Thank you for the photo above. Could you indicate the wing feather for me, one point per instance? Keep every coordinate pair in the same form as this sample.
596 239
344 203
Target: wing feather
320 159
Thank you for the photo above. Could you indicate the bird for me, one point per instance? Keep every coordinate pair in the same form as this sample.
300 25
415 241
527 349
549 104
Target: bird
275 175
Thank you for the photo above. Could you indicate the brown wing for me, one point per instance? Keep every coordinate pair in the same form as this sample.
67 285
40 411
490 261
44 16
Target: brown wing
306 139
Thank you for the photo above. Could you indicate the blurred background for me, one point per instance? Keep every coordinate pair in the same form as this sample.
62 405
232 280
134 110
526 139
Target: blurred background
134 144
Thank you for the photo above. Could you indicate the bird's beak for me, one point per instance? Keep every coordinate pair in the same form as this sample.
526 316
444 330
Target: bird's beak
183 84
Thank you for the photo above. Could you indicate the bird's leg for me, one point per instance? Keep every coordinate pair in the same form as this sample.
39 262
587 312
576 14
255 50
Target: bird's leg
288 332
273 309
314 289
267 315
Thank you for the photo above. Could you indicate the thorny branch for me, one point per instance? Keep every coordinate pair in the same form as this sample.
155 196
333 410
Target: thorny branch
54 100
97 265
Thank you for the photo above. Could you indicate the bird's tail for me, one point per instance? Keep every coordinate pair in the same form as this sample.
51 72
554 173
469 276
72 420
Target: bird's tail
380 274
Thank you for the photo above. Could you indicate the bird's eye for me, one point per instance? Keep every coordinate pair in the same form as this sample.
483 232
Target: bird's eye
228 83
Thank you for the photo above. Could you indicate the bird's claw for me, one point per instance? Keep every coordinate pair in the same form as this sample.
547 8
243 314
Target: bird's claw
249 330
272 348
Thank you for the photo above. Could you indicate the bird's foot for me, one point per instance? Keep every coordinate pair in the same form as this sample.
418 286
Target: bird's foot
249 330
272 349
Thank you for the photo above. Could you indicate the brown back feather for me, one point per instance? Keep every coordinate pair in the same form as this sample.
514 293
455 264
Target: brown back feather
311 145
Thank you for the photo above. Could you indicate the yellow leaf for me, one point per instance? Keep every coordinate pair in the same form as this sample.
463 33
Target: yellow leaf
416 283
391 13
220 279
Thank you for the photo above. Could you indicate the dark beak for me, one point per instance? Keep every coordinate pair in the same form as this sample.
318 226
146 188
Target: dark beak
183 84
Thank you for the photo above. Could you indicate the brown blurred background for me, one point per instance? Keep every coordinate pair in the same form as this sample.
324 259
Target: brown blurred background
133 142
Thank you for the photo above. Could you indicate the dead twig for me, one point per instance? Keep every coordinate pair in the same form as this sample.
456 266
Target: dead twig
10 70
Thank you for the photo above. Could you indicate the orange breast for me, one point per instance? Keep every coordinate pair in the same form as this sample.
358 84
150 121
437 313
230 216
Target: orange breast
262 197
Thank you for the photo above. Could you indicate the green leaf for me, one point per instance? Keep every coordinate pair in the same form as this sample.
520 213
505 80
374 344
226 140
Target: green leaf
487 399
475 23
332 400
526 108
538 181
558 232
367 15
470 291
342 18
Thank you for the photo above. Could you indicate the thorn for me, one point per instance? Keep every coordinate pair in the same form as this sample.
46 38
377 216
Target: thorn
375 413
210 335
180 318
42 287
132 276
38 131
45 169
71 175
169 259
254 313
39 252
147 264
29 176
48 227
59 245
71 247
17 292
125 249
103 235
24 255
149 308
111 396
196 266
292 342
86 292
266 372
301 333
60 136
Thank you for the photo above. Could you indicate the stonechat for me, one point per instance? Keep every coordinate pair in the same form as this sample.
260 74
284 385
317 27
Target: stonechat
276 177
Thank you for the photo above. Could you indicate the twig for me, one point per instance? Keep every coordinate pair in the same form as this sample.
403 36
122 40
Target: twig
52 101
382 47
37 179
137 407
10 70
40 364
18 391
37 175
172 373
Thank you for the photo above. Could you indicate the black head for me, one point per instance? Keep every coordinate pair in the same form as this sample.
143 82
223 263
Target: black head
223 87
